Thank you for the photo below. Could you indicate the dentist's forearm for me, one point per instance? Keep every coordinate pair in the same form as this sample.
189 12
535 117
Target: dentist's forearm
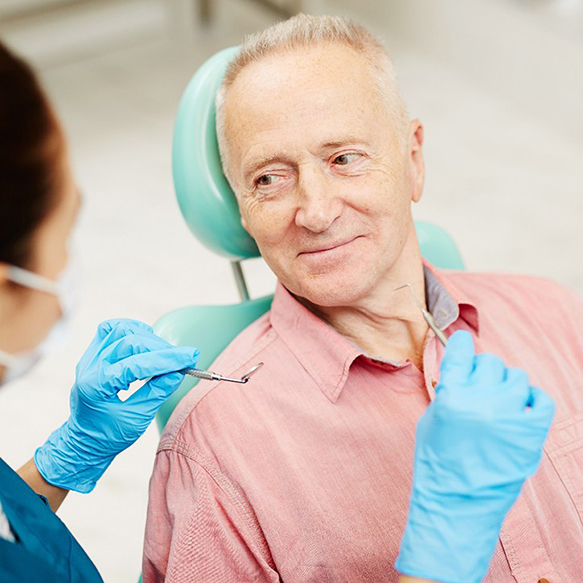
30 474
407 579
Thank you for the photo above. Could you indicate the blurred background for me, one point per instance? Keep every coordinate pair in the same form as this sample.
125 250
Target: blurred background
497 83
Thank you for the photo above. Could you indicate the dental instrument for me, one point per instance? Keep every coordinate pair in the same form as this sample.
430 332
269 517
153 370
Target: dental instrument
208 375
426 315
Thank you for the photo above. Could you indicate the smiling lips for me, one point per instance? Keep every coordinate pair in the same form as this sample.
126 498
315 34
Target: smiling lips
327 248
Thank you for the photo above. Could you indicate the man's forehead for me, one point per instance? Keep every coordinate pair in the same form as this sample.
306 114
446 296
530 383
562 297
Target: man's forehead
296 74
273 97
301 101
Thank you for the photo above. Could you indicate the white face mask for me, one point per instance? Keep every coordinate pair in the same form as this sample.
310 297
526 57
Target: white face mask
64 290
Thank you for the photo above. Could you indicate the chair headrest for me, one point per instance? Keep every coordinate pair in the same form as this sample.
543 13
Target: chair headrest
205 198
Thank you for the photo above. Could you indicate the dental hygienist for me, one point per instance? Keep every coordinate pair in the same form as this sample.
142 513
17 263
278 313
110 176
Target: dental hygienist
476 444
39 203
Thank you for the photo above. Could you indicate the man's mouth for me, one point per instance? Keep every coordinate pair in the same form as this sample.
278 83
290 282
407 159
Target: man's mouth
328 246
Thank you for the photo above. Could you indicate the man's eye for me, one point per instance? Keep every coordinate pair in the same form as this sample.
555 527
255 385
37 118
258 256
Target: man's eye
345 159
266 180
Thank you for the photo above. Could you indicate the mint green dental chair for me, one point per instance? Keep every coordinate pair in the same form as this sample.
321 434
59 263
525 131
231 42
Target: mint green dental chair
209 207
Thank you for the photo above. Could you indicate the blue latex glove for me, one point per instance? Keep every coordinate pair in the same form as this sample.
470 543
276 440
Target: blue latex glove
101 425
476 444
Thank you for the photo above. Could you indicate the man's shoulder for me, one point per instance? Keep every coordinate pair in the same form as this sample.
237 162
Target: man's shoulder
524 306
531 290
211 402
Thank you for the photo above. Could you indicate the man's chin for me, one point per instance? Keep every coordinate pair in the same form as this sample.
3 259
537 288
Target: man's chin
330 290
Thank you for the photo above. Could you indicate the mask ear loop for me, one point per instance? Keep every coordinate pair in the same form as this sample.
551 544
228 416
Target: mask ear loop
43 284
18 364
65 289
29 279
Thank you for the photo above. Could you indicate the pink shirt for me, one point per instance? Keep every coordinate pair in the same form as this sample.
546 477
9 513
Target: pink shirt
304 474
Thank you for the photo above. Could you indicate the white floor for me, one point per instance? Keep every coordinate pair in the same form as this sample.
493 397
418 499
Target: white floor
507 187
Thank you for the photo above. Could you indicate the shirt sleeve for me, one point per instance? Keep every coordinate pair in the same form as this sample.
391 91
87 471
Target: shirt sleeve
195 531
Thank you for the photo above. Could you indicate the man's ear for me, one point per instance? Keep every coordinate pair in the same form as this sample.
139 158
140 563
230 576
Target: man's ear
416 161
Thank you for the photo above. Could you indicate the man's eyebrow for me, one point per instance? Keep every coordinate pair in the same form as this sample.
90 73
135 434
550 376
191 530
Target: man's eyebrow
341 142
254 163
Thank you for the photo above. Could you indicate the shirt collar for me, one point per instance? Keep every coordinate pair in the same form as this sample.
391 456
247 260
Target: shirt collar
324 353
327 356
446 301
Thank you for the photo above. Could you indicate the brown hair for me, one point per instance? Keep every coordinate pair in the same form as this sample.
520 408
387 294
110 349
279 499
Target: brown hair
31 149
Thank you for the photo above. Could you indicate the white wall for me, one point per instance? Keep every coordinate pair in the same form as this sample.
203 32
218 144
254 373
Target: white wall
532 57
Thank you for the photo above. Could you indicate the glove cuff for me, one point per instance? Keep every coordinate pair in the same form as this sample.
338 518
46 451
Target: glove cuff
63 462
454 546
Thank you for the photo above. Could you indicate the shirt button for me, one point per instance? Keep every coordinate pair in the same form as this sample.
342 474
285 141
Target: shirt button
433 383
543 581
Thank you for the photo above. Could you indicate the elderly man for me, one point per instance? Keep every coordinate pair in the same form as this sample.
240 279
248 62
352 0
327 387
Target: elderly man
305 474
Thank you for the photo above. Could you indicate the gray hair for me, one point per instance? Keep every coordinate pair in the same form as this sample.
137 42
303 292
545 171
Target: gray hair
304 31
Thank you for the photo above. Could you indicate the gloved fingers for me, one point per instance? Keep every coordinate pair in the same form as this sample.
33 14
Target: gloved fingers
458 360
121 327
516 388
109 331
150 364
122 324
542 407
153 394
489 371
133 344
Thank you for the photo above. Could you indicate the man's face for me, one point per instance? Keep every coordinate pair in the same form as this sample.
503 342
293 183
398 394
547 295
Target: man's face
323 182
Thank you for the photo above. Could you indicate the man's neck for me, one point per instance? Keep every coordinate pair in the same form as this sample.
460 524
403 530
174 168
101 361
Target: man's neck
386 324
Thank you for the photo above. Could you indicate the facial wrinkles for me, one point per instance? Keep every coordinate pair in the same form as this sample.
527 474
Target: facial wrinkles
287 151
290 145
348 217
291 112
277 108
352 190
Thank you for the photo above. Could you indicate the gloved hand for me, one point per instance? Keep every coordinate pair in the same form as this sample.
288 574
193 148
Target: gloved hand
476 444
101 425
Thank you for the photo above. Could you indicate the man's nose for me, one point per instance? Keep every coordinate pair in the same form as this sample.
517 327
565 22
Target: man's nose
318 204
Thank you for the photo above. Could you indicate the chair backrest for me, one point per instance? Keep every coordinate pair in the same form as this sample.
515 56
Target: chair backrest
210 209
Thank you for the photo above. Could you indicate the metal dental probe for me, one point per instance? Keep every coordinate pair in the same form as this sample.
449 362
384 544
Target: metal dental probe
426 315
208 375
